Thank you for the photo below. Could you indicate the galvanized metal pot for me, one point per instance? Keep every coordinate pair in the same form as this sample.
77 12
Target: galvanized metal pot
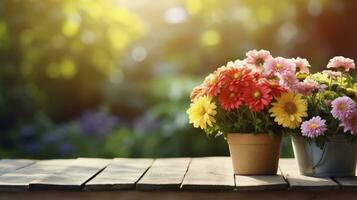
336 159
254 154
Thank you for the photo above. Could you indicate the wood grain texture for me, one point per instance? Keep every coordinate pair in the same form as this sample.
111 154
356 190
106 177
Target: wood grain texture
186 195
122 173
209 173
20 179
9 165
271 182
289 169
349 183
196 174
164 174
73 177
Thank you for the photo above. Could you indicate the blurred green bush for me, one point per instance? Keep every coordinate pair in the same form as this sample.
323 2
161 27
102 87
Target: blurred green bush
112 77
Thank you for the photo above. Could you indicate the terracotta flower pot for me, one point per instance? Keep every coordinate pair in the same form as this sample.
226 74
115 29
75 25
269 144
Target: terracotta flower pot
254 154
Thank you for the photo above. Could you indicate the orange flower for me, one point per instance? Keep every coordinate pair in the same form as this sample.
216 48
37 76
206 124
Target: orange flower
197 92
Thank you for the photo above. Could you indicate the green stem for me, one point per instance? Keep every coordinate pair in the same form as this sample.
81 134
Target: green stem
227 115
253 114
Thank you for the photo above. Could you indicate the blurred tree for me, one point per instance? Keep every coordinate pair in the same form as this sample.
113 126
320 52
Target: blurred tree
55 54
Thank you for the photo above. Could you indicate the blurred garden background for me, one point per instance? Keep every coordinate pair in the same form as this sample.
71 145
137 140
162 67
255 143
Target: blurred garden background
107 78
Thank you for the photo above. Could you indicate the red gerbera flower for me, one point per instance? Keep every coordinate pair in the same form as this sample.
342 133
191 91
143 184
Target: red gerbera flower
234 82
258 96
230 99
236 76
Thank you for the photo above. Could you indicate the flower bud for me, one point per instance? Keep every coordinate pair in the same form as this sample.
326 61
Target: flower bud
301 76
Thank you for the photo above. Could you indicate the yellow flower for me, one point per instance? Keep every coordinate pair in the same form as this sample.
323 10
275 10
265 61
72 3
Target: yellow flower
289 109
201 112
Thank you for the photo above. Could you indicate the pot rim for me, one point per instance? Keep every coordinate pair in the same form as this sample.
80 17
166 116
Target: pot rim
252 139
334 138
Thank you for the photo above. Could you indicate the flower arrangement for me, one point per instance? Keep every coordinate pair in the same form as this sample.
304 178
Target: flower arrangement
332 103
244 96
263 94
274 95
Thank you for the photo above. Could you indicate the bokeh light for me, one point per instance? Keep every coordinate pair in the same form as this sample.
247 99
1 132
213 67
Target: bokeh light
123 69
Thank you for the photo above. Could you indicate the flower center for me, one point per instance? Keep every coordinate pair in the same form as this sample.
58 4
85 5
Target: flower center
313 125
202 111
237 75
290 108
298 68
231 95
256 94
279 66
259 61
341 106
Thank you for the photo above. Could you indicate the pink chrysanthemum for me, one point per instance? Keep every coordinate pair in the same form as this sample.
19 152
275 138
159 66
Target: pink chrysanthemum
278 65
307 87
350 124
288 80
302 65
340 62
343 108
314 127
258 58
332 74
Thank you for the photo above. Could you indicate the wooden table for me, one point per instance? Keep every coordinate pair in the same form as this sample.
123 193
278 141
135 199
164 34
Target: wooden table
164 178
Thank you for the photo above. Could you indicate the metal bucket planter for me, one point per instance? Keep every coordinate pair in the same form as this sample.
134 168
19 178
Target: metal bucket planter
254 154
336 159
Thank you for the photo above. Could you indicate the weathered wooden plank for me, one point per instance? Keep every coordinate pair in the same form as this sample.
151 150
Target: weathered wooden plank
349 183
122 173
20 179
164 174
55 162
290 171
209 173
271 182
9 165
186 195
73 177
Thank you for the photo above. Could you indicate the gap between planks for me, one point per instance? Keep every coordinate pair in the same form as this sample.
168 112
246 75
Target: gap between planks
164 174
290 171
120 174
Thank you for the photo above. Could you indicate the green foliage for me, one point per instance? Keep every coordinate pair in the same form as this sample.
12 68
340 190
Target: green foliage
60 58
55 48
